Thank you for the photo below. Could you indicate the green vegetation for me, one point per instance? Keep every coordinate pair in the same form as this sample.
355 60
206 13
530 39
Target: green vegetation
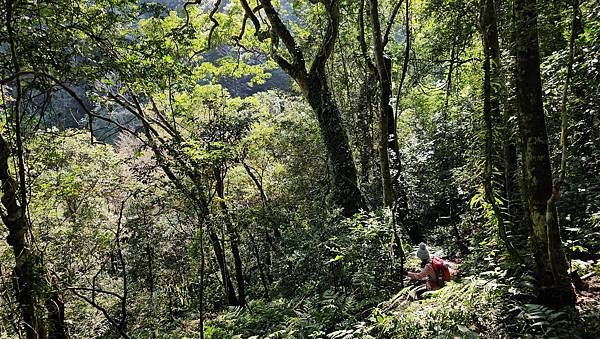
266 169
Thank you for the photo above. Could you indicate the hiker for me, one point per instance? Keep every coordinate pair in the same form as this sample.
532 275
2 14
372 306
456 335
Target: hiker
434 271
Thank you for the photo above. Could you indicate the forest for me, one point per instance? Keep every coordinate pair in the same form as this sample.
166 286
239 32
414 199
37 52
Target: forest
299 169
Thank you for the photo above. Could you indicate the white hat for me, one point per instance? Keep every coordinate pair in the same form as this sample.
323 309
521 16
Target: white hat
422 252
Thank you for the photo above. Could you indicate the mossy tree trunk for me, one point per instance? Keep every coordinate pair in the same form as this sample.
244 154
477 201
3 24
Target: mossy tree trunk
553 281
29 271
344 185
491 113
27 265
380 67
386 112
313 82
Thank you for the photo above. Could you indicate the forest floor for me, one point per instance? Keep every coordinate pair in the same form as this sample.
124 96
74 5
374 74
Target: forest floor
478 303
588 302
471 305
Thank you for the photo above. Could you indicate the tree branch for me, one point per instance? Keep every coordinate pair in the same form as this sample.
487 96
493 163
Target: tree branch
211 16
95 290
250 14
390 22
279 28
361 37
104 312
406 57
331 35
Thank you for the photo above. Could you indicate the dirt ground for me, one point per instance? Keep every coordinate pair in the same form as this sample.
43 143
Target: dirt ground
588 305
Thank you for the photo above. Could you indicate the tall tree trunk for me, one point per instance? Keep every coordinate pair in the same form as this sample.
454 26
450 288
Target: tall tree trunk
401 201
386 112
314 85
27 263
364 120
233 237
344 188
393 148
365 111
514 154
28 268
389 154
552 277
491 111
225 277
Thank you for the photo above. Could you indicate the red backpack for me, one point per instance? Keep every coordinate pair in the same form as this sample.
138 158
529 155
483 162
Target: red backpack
442 271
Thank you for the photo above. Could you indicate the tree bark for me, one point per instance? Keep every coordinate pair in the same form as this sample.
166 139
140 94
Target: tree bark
225 277
27 263
314 85
401 199
344 188
491 111
28 267
233 237
389 155
386 112
553 282
56 314
364 114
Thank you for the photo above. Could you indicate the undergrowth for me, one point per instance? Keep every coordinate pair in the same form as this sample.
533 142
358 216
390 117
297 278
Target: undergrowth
472 307
493 298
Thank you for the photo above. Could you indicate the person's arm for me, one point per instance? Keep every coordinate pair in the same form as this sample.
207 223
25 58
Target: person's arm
423 275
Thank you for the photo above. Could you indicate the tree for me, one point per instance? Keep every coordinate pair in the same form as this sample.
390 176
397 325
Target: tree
389 157
553 281
491 112
314 85
41 307
27 263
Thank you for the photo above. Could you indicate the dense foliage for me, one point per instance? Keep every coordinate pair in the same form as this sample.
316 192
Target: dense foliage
266 169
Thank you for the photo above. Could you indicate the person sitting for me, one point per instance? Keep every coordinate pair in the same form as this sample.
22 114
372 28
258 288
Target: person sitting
427 273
